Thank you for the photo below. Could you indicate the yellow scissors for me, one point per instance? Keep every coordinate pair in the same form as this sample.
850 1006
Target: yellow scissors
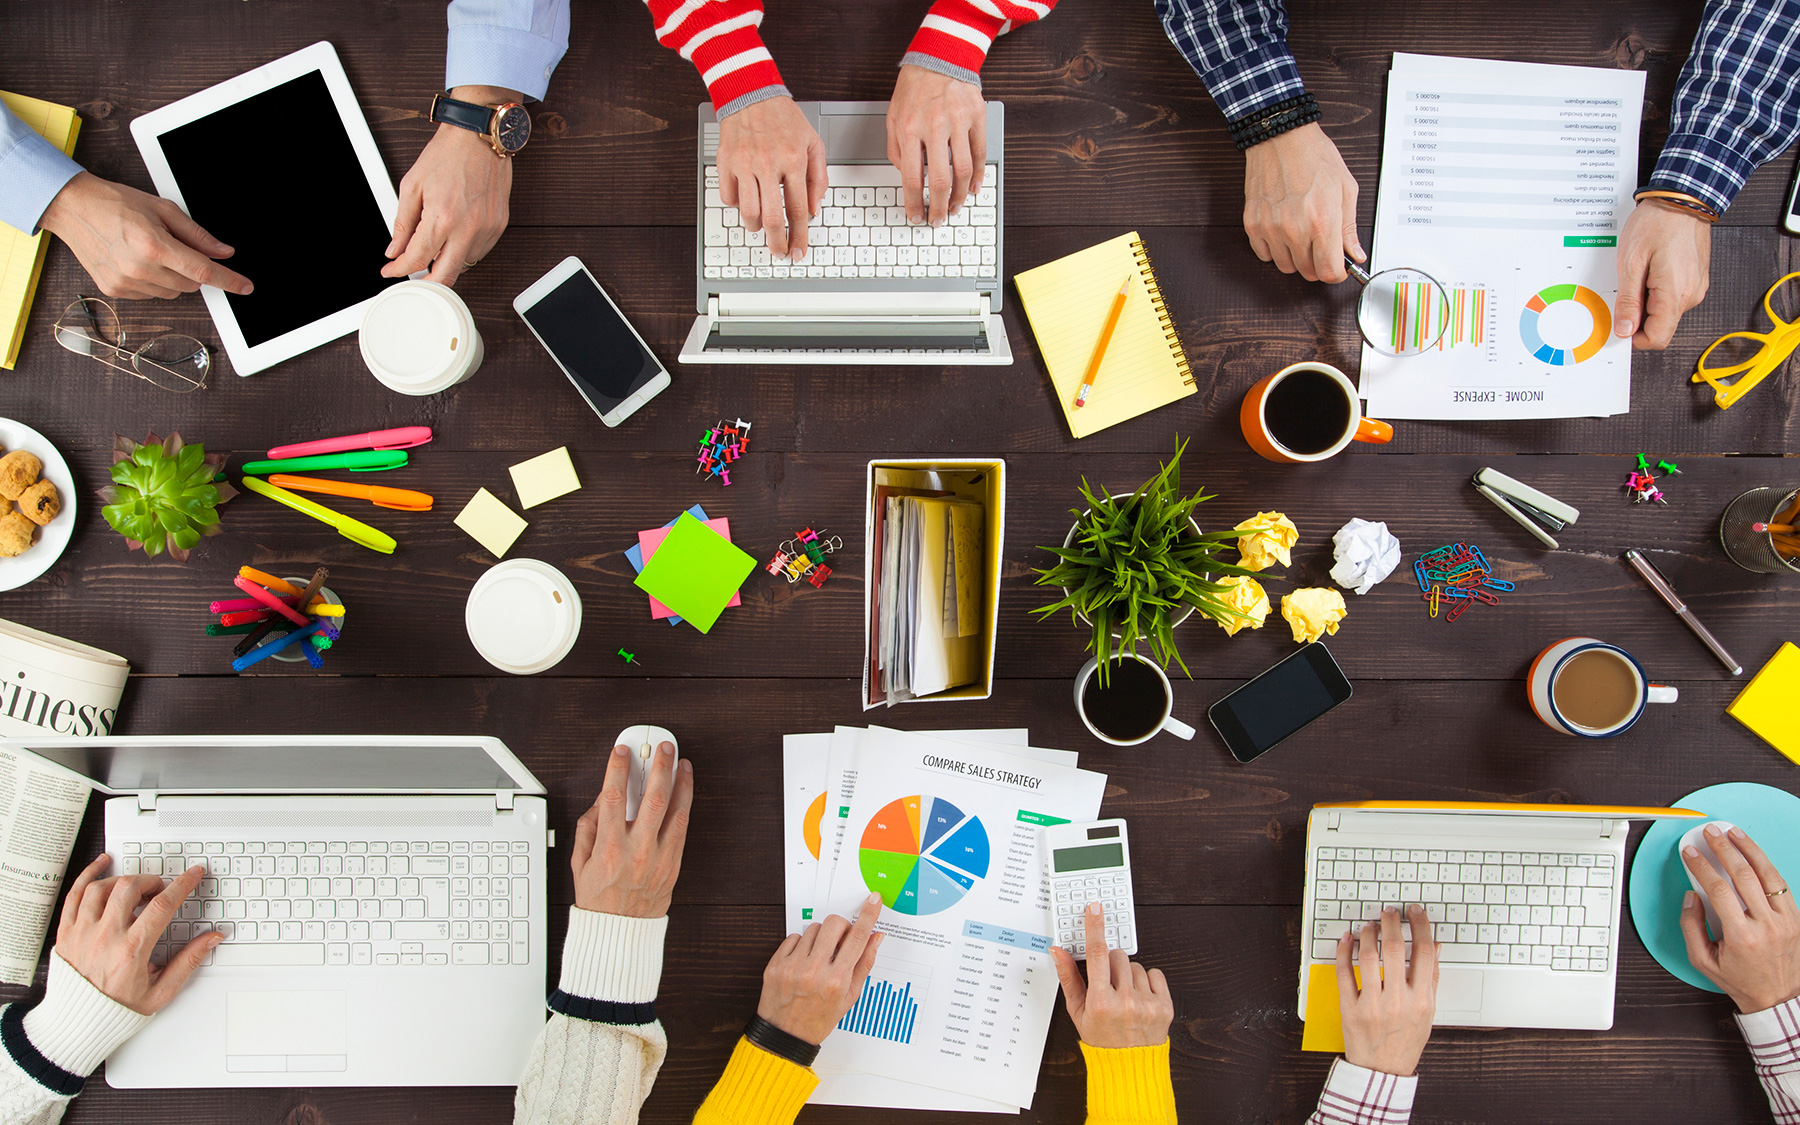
1774 348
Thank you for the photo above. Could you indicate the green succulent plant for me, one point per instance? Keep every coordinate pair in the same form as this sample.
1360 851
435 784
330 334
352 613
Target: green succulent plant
1135 562
163 496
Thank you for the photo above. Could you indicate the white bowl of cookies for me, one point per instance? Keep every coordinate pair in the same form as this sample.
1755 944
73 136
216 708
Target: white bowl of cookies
37 494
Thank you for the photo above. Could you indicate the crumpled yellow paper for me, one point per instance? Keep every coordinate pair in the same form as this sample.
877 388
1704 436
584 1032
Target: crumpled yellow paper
1269 544
1247 596
1313 612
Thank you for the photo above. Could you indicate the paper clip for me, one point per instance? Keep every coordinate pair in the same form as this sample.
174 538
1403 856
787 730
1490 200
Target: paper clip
1500 584
1484 596
1456 611
1419 572
1436 595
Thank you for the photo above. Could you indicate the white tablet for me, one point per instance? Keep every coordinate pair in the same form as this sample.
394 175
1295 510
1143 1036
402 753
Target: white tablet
279 164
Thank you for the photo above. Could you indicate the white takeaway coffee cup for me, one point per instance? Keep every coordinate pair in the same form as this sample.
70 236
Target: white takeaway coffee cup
419 338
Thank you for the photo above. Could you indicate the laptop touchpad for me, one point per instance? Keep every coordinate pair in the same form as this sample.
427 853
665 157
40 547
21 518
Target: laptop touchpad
854 136
285 1032
1458 991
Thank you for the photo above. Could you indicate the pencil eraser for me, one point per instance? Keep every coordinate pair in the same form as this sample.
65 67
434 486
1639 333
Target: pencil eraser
491 523
544 478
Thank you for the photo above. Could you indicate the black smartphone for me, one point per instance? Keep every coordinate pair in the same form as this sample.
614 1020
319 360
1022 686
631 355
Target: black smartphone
1257 716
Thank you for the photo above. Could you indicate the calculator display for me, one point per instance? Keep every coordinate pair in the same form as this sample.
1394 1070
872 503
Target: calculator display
1090 858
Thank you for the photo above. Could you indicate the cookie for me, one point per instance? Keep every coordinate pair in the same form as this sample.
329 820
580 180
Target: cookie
15 534
40 503
19 470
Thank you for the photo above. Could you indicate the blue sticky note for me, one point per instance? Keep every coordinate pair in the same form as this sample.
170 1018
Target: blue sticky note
635 553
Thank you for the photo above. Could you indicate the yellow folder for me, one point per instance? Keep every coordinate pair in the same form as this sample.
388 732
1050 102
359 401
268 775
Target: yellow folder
22 255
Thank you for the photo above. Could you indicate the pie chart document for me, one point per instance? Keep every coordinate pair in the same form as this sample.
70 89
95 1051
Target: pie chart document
1508 183
946 832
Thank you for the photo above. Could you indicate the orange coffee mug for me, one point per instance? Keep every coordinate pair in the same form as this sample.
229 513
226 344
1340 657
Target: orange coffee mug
1306 412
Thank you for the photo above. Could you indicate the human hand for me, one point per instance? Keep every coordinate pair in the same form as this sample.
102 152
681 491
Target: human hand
816 976
629 867
937 135
1300 204
1757 959
769 150
1121 1005
100 939
454 199
1388 1020
1665 257
135 245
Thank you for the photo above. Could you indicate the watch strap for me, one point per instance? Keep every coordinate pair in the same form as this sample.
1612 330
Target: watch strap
446 110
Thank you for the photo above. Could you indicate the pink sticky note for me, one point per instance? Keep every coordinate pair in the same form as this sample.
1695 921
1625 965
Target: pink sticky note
649 541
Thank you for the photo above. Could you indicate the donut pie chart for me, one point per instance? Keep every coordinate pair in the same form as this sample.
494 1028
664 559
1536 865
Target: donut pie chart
1555 294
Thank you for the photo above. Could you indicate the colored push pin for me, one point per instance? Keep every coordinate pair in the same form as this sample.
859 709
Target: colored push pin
630 657
1668 468
1656 495
1643 463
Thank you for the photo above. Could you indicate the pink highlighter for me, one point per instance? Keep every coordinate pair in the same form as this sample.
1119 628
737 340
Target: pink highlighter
403 438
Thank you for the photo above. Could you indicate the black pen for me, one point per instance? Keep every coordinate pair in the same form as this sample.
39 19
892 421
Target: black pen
1667 592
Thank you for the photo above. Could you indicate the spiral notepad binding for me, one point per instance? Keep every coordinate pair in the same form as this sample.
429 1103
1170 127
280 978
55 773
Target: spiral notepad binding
1148 272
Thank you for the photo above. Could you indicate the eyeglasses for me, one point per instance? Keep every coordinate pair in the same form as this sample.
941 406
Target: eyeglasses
91 327
1757 354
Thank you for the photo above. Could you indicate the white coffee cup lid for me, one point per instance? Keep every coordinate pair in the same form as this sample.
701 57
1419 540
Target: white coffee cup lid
523 616
417 337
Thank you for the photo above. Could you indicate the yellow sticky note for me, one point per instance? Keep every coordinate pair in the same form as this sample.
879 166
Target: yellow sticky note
491 523
1324 1019
544 478
1766 705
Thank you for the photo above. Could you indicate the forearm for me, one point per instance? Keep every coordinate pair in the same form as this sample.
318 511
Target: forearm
1774 1039
1129 1085
600 1052
722 40
1737 102
1238 48
50 1049
510 44
757 1088
956 35
1354 1095
32 171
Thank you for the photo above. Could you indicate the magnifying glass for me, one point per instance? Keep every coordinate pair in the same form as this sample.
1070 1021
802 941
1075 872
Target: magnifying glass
1402 311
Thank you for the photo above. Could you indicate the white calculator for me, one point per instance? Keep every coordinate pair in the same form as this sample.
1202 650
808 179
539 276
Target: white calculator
1090 863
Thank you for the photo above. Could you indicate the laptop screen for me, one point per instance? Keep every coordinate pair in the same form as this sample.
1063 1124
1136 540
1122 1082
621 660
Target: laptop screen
255 765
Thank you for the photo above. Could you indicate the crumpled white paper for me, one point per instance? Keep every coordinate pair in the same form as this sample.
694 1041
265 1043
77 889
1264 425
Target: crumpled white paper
1366 553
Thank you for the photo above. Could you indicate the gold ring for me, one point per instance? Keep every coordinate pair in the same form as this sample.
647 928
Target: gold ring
1778 894
470 265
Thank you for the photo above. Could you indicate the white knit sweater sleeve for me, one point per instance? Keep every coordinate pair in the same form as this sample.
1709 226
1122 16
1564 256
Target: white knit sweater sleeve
595 1065
56 1044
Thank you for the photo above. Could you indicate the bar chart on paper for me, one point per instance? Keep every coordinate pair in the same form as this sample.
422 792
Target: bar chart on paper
1415 318
890 1001
922 854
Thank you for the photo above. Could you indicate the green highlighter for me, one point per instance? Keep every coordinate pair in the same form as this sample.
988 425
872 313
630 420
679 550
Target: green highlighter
362 461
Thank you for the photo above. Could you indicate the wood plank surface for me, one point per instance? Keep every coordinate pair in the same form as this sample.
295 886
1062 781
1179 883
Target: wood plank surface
1107 130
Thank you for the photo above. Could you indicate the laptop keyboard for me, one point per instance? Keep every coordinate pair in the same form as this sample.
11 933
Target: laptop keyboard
1554 910
861 231
401 902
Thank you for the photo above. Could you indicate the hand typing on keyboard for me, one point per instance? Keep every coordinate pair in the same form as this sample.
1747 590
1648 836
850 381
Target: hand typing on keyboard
1757 959
937 136
1387 1018
1121 1004
100 939
772 170
629 867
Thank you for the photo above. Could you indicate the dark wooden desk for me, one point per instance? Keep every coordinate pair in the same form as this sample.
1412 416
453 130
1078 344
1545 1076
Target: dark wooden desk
1108 130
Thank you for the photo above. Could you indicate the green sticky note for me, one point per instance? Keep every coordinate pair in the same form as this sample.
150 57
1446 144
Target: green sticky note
695 572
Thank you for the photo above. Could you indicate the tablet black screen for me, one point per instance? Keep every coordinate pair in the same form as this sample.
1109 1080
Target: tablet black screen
275 178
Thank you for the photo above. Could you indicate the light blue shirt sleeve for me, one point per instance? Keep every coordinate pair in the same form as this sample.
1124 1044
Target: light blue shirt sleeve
32 171
514 44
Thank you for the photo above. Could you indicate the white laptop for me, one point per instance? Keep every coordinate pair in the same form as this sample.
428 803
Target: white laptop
1525 900
870 288
383 901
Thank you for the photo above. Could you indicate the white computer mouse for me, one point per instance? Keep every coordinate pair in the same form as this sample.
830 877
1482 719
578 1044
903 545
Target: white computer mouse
1697 838
642 740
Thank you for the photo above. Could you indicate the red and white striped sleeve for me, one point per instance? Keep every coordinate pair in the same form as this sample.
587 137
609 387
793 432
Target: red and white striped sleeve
956 35
721 39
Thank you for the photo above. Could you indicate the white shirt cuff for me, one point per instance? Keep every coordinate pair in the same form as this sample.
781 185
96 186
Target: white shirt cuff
77 1026
1773 1033
485 55
1367 1097
612 957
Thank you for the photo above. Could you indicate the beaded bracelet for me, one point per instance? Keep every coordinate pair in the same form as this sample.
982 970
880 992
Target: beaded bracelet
762 1033
1266 124
1678 199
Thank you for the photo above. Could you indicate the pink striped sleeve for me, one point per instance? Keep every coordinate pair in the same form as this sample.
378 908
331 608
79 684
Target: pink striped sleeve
1355 1095
956 34
1774 1039
722 40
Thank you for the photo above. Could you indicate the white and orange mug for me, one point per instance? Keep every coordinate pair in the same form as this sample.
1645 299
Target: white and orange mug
1540 686
1253 417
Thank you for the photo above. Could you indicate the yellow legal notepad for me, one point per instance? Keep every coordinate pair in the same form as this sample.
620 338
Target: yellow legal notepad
1066 302
22 256
1770 703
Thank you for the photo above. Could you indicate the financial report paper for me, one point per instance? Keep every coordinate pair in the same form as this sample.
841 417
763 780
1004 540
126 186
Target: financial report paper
1509 183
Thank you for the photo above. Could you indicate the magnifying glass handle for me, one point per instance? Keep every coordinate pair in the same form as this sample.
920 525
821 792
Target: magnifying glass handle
1357 271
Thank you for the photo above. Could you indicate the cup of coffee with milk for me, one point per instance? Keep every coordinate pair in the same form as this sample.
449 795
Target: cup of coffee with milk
1590 689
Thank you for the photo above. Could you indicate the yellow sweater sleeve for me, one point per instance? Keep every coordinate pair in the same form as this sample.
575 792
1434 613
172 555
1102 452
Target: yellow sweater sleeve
758 1088
1129 1085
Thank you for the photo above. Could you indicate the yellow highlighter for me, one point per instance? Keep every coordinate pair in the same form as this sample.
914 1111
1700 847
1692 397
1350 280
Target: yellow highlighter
354 530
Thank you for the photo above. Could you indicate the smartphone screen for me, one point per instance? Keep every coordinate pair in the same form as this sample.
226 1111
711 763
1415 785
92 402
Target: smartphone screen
591 339
1257 716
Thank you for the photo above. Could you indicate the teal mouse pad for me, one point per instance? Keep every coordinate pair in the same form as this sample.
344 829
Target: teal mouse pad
1658 879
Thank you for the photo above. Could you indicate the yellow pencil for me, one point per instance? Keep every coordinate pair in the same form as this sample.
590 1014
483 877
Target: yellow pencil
1106 334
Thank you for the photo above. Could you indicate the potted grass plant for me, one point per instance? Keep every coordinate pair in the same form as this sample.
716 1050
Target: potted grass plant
1134 566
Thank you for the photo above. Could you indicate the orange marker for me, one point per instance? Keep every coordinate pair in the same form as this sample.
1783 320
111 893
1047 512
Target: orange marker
1106 334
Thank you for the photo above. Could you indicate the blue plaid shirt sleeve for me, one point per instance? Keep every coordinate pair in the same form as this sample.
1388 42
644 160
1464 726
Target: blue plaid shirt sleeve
1238 48
1737 103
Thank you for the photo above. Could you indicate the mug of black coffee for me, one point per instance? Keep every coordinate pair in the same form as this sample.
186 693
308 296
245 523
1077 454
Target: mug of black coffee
1134 705
1306 412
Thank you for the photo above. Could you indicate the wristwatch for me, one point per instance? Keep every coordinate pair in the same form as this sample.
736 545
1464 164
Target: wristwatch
506 126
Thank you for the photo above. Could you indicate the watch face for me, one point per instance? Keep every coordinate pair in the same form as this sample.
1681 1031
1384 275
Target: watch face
514 128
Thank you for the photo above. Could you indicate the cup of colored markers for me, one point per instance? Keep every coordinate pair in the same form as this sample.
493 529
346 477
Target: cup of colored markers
292 654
